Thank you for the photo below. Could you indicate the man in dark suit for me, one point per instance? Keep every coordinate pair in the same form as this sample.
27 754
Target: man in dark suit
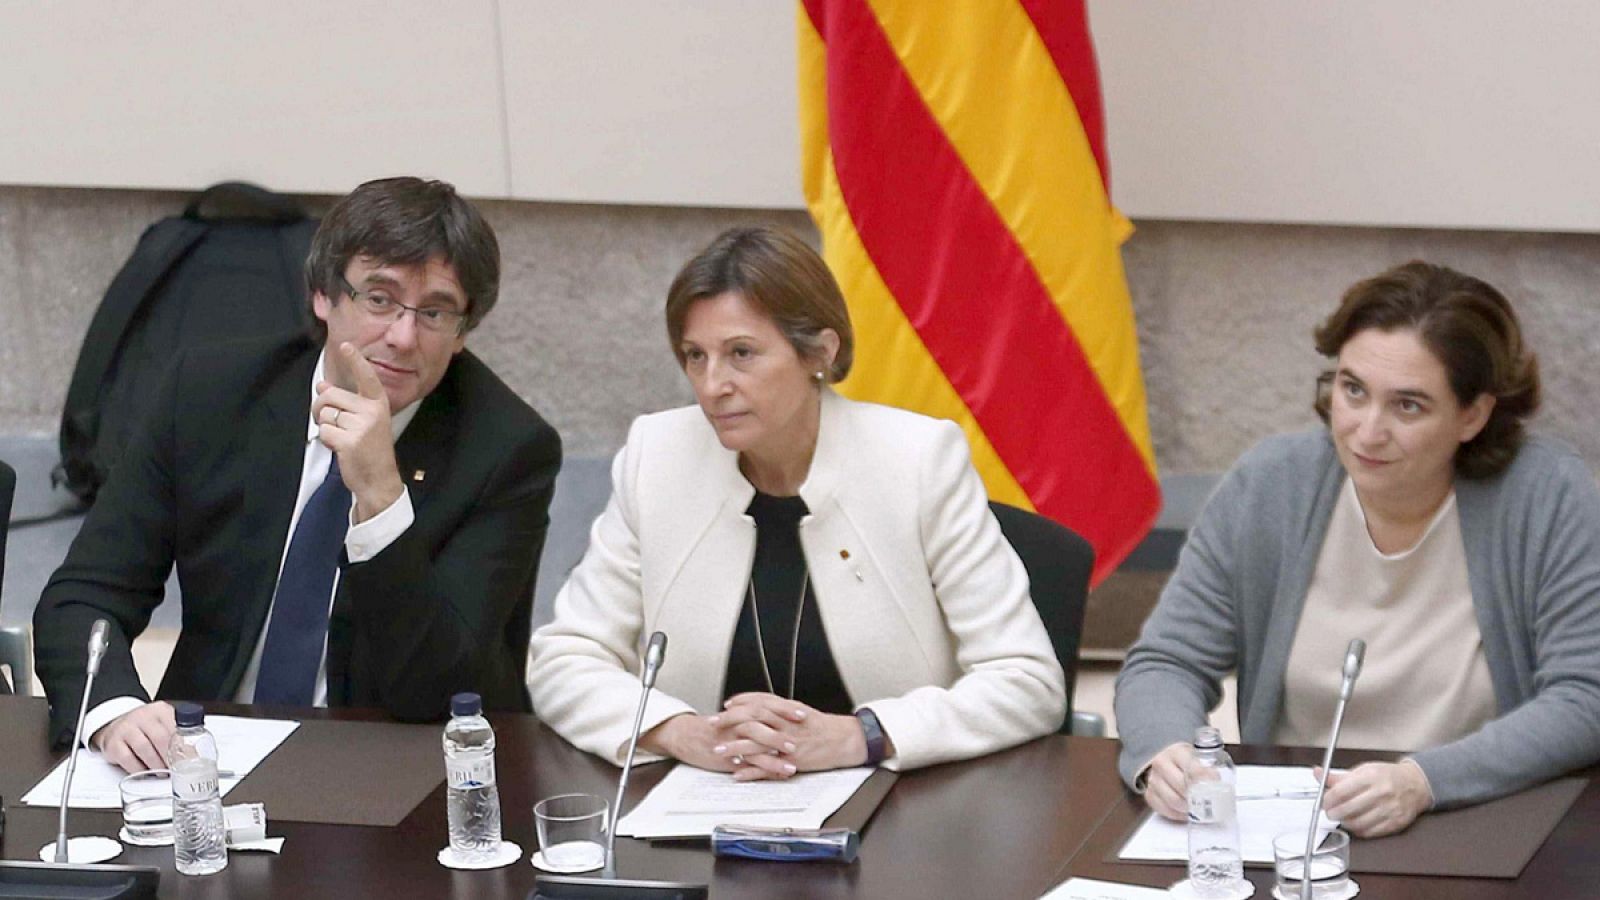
356 515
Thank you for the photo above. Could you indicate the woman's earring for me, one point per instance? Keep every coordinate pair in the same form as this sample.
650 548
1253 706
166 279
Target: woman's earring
819 375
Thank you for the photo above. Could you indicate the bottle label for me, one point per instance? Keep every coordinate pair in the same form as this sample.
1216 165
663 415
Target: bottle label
195 780
464 774
1210 802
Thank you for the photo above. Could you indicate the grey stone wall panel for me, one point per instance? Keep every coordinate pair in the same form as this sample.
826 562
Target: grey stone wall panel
1225 311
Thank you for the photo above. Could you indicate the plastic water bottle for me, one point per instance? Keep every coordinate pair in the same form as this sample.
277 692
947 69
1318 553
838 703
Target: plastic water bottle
473 800
1216 868
198 842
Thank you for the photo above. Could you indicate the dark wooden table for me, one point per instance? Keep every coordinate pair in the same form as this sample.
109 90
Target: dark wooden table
1566 866
1011 825
1002 827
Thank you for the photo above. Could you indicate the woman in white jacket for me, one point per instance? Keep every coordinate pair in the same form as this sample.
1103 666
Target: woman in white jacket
834 587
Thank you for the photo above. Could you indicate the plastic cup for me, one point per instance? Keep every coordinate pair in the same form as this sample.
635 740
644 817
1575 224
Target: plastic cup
1330 864
572 831
147 807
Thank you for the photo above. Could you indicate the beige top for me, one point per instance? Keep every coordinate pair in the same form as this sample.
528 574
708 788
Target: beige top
1425 681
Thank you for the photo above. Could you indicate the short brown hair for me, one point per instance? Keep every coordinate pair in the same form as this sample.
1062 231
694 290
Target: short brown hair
1469 327
782 276
406 221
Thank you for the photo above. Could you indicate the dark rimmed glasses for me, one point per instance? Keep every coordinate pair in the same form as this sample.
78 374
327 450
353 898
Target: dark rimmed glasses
381 307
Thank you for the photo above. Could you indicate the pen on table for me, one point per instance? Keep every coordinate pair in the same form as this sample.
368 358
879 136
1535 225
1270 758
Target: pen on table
1281 794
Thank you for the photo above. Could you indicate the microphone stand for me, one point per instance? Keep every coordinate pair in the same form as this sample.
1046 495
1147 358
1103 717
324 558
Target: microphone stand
607 884
653 655
62 877
1353 655
97 650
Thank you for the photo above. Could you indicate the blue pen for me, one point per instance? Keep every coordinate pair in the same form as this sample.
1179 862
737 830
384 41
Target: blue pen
786 844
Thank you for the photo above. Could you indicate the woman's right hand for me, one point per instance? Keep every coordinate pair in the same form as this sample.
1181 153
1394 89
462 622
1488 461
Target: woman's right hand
687 738
1164 782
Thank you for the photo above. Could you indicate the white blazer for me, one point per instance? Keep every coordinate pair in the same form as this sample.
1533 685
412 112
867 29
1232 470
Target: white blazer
924 602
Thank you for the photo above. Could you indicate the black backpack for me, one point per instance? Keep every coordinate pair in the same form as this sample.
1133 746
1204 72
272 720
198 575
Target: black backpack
229 267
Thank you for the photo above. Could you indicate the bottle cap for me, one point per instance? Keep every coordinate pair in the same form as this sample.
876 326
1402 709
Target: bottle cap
468 704
1207 737
189 714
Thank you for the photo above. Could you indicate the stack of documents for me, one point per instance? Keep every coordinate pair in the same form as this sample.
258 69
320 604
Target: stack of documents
690 802
1272 800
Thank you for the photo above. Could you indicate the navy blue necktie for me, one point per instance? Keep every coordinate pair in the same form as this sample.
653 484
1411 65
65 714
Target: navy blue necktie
299 625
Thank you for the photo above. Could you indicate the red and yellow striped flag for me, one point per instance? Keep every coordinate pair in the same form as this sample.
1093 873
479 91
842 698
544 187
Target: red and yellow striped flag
954 161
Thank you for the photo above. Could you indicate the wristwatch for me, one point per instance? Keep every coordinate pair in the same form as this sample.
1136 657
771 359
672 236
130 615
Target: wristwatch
877 743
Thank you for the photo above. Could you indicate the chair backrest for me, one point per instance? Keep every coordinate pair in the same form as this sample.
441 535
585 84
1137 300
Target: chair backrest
1058 563
8 489
16 653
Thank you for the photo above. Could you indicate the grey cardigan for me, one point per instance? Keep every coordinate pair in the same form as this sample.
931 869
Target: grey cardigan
1532 540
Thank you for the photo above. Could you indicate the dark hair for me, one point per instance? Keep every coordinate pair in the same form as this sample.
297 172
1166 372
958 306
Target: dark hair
406 221
1473 332
782 276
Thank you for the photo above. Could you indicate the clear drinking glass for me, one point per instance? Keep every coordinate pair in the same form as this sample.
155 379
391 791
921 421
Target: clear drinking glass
572 831
147 808
1330 864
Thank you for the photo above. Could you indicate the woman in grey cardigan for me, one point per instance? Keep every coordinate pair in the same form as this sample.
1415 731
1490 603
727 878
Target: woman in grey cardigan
1423 521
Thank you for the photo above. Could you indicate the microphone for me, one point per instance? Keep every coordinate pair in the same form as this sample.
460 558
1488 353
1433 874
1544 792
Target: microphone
97 652
97 645
607 884
653 657
1354 655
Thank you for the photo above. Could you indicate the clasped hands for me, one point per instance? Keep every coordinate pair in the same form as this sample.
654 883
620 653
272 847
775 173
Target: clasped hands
1371 800
761 736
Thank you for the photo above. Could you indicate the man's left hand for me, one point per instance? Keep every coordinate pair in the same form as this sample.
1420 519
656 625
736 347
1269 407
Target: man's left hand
1378 798
772 737
356 426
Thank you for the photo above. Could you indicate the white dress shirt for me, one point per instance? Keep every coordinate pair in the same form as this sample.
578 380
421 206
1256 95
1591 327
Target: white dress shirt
362 541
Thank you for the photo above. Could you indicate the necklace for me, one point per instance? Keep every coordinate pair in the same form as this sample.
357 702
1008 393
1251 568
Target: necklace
794 640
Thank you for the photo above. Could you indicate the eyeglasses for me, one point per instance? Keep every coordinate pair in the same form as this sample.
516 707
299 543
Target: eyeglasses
385 309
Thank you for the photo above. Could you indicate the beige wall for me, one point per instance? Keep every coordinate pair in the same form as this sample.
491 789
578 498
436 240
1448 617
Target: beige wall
1224 311
1473 113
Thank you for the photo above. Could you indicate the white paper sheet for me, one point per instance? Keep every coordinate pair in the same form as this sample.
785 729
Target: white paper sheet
1272 800
241 746
689 802
1090 889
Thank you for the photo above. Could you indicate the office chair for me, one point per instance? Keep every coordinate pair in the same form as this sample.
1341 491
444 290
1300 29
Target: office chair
1058 562
16 654
15 649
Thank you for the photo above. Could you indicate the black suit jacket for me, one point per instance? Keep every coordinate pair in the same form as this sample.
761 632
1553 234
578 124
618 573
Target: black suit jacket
209 484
